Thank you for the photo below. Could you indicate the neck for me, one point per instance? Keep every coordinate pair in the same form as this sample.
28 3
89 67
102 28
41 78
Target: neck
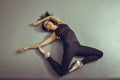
55 27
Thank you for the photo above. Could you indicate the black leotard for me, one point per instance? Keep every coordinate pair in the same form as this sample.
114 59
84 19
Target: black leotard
66 34
71 48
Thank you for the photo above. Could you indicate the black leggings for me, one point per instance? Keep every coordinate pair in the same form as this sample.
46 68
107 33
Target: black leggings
89 54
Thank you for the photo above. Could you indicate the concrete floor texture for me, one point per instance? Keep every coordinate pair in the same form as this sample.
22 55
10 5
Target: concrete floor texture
95 22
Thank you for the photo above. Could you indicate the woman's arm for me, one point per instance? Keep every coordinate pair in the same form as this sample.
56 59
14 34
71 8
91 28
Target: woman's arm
52 38
58 21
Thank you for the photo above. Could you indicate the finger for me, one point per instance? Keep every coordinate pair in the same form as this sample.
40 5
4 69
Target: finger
20 51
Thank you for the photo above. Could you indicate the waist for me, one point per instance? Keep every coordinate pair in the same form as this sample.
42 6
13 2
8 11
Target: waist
70 42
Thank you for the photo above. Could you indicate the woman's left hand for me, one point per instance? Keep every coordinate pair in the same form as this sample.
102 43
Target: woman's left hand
22 49
35 23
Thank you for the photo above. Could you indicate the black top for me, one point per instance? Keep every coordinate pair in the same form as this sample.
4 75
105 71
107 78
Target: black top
66 34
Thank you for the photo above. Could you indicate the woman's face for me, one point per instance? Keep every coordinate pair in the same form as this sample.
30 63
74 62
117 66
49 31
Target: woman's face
49 25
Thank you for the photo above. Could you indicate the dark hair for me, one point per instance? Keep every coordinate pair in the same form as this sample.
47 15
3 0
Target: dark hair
43 16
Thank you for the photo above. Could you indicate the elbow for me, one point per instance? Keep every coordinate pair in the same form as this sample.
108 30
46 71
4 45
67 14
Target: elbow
50 17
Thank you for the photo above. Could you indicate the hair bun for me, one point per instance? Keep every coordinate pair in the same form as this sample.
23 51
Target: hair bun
46 14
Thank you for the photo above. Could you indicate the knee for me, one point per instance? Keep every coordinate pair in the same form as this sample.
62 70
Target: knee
62 73
100 54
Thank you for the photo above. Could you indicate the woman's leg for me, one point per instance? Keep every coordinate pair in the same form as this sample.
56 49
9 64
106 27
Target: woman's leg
63 68
90 54
76 65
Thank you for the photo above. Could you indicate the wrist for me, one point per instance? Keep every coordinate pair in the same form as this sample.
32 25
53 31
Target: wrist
35 23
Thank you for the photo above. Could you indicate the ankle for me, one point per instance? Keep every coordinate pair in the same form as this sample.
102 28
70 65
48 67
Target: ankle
47 54
79 63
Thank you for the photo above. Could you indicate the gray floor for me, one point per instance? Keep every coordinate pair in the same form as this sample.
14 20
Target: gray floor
96 23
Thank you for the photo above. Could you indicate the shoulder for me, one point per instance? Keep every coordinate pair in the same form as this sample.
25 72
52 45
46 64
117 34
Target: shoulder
63 25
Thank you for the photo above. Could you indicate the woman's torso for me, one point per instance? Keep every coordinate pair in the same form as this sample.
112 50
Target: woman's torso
66 34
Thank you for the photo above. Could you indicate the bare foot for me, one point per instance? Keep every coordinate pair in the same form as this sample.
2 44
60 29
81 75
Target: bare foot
44 52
